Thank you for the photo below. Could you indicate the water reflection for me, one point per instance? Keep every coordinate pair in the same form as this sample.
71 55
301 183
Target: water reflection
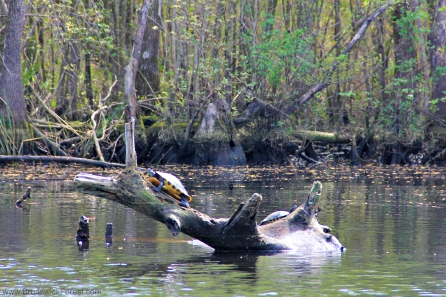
210 269
255 263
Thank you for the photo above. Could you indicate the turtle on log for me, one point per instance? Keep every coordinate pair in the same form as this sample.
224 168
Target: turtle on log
171 185
277 215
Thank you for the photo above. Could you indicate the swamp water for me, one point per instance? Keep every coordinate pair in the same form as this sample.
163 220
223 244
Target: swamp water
394 231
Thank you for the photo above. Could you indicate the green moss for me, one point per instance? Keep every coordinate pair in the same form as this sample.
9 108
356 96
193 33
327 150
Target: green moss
175 132
157 126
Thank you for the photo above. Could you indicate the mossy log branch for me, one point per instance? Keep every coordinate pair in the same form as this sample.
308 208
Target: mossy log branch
299 230
322 136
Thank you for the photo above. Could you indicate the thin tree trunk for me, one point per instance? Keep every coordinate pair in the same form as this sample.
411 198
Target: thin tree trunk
384 64
271 15
72 80
87 80
230 51
132 67
247 29
62 102
128 32
3 23
148 80
286 11
437 38
405 55
335 100
44 49
114 60
424 99
176 64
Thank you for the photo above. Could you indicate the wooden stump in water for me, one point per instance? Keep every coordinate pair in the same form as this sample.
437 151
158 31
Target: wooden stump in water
109 234
83 233
24 197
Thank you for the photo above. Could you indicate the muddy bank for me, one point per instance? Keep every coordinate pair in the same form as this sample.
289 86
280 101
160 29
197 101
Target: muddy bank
159 145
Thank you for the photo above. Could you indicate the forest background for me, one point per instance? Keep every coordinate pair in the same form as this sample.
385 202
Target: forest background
272 76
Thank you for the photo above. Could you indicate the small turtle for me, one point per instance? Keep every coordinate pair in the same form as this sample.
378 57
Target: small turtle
277 215
171 185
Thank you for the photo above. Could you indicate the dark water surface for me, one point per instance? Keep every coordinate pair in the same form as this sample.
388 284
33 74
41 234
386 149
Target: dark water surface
394 231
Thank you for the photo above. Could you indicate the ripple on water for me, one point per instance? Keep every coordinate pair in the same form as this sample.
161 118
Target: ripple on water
396 247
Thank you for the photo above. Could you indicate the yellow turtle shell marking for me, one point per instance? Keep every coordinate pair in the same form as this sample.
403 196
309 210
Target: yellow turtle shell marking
170 189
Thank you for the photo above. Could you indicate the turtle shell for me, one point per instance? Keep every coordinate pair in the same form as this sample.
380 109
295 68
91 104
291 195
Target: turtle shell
173 186
274 217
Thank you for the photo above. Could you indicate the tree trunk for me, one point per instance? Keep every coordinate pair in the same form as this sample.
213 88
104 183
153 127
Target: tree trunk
424 99
405 57
61 92
300 230
334 101
148 80
132 67
114 61
176 62
384 58
13 105
72 81
437 38
248 21
215 142
3 23
271 15
87 79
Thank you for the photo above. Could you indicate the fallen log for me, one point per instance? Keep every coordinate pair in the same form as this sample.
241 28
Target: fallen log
300 230
57 159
